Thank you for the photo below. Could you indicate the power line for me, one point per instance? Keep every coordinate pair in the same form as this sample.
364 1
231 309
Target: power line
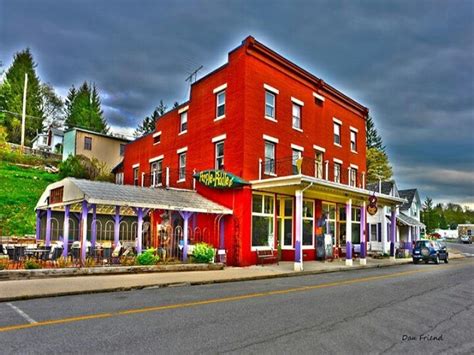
19 114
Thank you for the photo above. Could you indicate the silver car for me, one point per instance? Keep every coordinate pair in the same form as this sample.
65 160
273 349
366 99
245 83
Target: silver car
467 239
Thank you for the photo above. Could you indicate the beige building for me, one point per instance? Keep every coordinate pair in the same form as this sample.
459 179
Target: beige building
105 148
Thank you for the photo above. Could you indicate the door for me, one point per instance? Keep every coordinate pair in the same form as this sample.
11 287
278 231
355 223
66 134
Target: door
285 222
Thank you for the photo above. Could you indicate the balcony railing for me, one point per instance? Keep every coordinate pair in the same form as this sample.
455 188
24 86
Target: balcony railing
309 166
168 178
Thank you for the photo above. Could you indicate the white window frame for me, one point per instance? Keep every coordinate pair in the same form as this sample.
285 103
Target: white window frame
136 175
271 236
119 178
338 134
271 118
352 176
319 165
155 173
299 150
299 118
281 218
353 134
156 135
183 122
312 226
181 178
330 220
217 157
218 94
337 177
265 171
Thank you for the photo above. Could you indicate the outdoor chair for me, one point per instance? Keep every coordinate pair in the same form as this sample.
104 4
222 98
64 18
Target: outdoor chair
56 253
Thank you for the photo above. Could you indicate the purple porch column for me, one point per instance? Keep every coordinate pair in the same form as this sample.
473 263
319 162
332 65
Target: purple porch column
116 226
349 232
298 266
66 230
139 230
393 231
94 226
409 239
363 238
185 216
38 225
221 234
48 227
84 231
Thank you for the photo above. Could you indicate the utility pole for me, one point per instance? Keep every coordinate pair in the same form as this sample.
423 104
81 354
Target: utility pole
23 116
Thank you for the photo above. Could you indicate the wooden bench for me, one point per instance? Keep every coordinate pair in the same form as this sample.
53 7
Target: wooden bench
266 254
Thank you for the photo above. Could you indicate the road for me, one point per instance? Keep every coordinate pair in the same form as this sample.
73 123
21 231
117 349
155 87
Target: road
398 309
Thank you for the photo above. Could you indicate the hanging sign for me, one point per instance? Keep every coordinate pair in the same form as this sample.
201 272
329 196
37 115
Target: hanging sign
219 179
372 206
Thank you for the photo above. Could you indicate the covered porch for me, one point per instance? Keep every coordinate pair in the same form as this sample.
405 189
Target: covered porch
314 217
87 213
409 230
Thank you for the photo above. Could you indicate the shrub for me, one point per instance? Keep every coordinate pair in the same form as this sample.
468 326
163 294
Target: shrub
203 253
148 257
90 262
127 260
32 265
3 266
72 167
63 262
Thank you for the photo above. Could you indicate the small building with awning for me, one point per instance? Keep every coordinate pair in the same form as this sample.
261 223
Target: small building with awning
96 212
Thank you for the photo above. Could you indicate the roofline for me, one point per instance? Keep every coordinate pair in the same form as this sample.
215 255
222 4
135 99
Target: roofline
96 133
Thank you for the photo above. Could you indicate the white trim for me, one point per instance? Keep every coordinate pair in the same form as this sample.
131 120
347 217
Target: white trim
353 129
181 180
297 129
182 150
270 119
335 120
338 161
318 148
271 139
219 118
156 134
271 89
319 97
137 165
183 132
297 147
159 157
296 101
219 88
183 109
354 166
337 145
219 138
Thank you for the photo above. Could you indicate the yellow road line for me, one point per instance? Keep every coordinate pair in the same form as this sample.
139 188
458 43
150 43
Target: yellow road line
210 301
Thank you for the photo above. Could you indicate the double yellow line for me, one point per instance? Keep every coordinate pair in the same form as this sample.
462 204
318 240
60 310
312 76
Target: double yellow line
209 301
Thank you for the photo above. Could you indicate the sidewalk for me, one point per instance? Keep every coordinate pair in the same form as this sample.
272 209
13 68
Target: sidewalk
61 286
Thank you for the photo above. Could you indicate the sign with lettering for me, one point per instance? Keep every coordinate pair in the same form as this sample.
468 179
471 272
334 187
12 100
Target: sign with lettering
219 179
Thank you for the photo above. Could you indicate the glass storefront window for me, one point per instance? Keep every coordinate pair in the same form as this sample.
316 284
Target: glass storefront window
262 220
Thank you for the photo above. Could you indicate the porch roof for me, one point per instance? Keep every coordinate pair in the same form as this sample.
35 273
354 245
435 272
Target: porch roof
322 189
106 196
409 221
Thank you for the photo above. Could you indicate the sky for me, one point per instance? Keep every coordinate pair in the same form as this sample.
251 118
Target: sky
410 62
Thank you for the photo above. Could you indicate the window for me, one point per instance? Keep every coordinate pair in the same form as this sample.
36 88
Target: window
156 173
135 176
220 99
220 155
296 154
337 133
119 178
285 221
308 222
353 177
87 143
157 138
329 211
262 220
182 167
354 141
373 233
269 105
337 172
269 158
122 149
183 122
355 225
296 116
318 168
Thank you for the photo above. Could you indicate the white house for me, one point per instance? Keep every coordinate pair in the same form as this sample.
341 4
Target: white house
51 140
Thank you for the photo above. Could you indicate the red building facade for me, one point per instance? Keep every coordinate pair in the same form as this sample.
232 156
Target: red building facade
297 141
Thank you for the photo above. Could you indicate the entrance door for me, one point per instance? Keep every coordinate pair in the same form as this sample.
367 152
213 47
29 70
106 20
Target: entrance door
285 222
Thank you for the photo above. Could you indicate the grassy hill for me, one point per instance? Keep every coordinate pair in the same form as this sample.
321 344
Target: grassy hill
20 189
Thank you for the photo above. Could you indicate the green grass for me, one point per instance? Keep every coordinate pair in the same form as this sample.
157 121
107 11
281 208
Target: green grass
20 189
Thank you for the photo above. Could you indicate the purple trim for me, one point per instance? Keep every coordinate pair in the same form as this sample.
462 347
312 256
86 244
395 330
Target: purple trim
298 226
48 227
38 225
83 230
221 233
363 250
139 230
94 226
117 226
393 231
363 231
185 216
66 230
348 250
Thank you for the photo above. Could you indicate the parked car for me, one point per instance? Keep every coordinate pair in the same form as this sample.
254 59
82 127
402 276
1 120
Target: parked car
467 239
426 250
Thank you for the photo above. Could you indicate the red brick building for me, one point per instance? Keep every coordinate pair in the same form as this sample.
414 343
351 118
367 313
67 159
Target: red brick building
297 141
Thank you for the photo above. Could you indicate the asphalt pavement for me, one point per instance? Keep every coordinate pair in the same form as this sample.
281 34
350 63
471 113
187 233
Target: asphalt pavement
401 309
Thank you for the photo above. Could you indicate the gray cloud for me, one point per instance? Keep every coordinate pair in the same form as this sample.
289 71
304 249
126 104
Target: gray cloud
410 62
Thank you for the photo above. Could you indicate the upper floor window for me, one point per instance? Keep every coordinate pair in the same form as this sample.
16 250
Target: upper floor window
337 172
87 143
220 101
122 149
119 178
182 167
296 155
296 112
319 165
219 155
183 122
269 158
156 173
269 105
337 133
156 138
135 176
353 177
353 141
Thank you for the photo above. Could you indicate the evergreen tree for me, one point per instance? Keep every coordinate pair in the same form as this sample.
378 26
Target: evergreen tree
23 62
378 166
83 109
428 215
149 123
372 136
